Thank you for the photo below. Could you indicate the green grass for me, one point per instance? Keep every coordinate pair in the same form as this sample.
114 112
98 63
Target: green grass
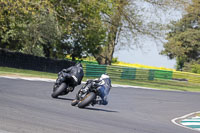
6 71
162 84
157 84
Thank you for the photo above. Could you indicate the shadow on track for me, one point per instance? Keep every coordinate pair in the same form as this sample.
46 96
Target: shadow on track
104 110
89 108
62 98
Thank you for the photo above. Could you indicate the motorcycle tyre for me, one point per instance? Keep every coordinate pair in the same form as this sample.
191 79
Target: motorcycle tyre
87 100
74 102
59 90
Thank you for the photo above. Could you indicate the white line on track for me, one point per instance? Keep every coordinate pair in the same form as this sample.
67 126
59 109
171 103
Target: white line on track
191 120
29 78
53 80
190 123
183 117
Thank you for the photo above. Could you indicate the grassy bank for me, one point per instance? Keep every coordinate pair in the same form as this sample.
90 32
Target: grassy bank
158 84
163 85
6 71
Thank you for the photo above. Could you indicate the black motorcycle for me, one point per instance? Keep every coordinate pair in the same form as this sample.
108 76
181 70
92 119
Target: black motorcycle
86 95
62 86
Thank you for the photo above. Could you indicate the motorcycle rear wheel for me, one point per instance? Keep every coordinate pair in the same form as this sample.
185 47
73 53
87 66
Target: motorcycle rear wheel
87 100
59 90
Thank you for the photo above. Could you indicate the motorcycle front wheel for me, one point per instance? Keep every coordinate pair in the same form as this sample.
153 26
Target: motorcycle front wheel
59 90
87 100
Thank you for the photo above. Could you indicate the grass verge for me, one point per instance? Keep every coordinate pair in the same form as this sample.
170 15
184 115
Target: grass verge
163 84
6 71
157 84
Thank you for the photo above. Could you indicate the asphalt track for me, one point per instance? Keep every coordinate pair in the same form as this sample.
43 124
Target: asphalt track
26 107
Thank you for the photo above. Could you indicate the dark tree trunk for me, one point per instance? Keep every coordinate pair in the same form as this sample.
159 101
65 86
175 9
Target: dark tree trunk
106 53
46 50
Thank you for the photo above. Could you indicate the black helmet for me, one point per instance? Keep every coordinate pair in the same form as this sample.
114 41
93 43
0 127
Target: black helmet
78 64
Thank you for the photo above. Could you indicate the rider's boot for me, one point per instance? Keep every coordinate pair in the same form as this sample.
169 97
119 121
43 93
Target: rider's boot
99 102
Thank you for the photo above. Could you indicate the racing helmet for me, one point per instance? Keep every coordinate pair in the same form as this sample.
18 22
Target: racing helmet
104 76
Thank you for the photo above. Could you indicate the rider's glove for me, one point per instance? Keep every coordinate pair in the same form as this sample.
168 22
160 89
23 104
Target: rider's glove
89 81
95 84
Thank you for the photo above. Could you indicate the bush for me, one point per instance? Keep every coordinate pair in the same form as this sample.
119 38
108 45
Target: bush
196 68
115 60
193 67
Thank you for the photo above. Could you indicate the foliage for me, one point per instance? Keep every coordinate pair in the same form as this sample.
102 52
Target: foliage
196 68
184 38
27 26
192 66
129 22
84 31
180 63
115 60
54 28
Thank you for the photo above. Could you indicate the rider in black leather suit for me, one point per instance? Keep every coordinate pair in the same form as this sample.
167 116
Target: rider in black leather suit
74 74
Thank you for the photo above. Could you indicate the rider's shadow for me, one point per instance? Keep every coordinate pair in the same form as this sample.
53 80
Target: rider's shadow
63 98
89 108
98 109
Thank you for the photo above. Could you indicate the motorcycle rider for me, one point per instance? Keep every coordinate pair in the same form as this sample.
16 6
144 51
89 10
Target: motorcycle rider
103 85
74 74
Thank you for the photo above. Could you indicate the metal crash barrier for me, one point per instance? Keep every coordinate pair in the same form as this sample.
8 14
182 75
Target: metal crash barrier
129 73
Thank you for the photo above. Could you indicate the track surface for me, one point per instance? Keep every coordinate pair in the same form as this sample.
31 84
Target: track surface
26 107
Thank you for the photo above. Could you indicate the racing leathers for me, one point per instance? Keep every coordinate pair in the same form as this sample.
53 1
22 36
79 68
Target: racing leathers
74 74
103 87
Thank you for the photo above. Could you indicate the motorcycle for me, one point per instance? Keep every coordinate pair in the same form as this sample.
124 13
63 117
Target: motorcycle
86 96
62 86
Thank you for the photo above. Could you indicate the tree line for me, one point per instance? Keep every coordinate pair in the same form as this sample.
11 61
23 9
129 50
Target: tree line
79 28
184 40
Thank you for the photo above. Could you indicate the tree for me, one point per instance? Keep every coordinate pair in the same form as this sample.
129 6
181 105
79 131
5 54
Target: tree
97 27
184 37
28 26
127 21
78 28
84 30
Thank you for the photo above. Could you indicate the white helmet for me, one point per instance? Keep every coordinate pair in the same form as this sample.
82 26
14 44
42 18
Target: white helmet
104 76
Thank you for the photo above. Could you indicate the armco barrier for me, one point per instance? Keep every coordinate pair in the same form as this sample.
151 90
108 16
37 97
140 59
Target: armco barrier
151 74
114 71
118 72
162 74
93 70
128 73
185 76
142 74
